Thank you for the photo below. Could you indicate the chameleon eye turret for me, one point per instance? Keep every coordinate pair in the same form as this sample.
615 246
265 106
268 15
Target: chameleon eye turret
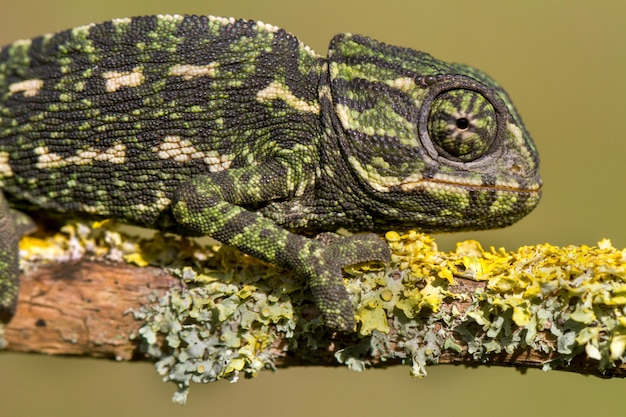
234 129
461 125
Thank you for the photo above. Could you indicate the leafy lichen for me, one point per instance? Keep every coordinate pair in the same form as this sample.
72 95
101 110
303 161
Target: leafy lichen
560 300
235 315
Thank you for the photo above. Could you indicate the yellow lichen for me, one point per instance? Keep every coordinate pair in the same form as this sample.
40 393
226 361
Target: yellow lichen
577 293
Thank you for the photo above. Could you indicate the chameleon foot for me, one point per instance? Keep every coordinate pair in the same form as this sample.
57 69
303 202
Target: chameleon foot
327 285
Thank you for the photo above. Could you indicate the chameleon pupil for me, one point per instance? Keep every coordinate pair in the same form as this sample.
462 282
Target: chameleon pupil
462 123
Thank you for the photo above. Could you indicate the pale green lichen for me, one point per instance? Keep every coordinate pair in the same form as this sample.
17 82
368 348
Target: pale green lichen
222 322
234 315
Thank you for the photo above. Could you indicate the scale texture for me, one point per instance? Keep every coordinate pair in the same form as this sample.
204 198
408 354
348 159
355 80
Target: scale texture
236 130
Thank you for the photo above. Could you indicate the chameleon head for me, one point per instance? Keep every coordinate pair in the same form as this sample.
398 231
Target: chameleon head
436 146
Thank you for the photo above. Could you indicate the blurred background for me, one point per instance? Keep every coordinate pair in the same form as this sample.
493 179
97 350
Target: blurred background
563 64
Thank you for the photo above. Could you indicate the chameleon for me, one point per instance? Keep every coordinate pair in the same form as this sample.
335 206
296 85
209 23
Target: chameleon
234 129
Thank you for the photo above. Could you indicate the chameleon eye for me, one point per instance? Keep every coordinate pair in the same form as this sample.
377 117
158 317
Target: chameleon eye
462 124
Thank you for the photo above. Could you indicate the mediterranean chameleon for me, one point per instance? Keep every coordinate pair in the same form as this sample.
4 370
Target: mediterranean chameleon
234 129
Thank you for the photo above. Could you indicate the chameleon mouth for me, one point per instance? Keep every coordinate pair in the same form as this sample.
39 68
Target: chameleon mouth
444 182
438 205
531 187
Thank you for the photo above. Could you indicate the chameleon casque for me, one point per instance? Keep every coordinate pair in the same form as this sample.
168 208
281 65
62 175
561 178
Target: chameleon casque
234 129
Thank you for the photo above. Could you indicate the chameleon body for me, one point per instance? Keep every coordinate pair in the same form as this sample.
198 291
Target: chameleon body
236 130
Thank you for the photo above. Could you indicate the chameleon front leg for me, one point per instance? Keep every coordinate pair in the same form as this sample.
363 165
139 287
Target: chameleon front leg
13 225
210 205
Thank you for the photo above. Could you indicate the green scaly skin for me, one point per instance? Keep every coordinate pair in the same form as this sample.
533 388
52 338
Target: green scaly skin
236 130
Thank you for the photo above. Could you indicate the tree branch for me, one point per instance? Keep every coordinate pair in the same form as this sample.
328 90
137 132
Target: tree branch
83 309
539 307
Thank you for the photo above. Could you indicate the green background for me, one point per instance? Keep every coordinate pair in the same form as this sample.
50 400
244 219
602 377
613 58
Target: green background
563 64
